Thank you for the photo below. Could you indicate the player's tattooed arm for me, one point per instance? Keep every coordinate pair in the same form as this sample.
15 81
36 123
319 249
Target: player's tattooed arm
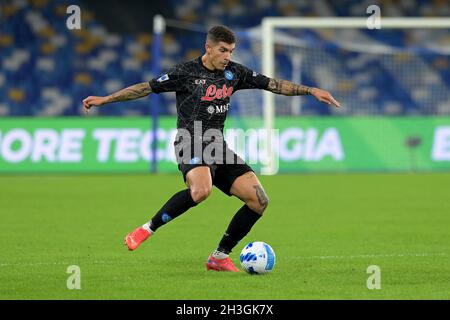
288 88
136 91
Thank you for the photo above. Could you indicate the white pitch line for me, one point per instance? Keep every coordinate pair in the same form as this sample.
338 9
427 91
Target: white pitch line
361 256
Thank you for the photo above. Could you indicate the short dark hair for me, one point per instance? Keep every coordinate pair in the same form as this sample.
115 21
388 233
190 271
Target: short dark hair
221 33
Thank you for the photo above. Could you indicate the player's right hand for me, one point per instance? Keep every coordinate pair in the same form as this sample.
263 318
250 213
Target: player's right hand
93 101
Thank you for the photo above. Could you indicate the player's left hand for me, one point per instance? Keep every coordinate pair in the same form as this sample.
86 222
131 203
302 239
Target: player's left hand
324 96
93 101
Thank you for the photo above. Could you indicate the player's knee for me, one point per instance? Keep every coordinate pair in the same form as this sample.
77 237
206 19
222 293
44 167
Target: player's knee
200 193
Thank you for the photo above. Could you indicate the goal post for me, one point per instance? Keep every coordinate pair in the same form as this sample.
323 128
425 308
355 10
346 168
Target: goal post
268 59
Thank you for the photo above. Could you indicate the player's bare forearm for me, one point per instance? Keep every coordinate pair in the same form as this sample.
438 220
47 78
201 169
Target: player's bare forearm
288 88
133 92
136 91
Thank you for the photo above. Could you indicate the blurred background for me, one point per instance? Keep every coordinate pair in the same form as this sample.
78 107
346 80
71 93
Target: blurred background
393 84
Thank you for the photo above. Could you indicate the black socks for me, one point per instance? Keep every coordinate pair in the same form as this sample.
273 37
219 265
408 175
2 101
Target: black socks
238 228
182 201
176 206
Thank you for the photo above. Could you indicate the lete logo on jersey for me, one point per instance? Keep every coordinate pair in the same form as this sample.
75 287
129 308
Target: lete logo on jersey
213 93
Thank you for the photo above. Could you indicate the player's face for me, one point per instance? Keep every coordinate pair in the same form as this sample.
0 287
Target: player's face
220 54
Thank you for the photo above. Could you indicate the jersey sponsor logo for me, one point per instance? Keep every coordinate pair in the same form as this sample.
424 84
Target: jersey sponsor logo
163 78
218 109
200 81
229 75
211 109
213 93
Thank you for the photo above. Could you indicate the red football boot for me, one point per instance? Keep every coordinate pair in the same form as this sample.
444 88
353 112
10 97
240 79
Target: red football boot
135 238
220 264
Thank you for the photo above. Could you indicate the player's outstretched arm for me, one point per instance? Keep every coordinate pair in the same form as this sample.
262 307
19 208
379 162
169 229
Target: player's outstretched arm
133 92
288 88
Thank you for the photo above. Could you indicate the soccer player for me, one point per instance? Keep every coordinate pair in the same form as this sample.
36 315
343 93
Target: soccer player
203 89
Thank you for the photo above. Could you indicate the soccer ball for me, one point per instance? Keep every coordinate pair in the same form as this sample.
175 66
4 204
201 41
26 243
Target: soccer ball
257 258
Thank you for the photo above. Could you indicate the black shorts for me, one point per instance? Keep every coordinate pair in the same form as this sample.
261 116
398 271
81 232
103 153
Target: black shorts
223 174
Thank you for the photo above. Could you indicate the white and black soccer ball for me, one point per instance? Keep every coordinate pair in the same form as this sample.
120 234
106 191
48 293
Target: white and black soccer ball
257 258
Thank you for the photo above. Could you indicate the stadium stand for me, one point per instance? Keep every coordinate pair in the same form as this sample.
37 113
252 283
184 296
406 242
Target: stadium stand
46 69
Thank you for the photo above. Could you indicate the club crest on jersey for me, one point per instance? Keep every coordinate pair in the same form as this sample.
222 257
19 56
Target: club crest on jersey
213 93
163 78
229 75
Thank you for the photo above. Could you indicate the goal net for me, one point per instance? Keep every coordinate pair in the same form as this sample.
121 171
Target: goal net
401 69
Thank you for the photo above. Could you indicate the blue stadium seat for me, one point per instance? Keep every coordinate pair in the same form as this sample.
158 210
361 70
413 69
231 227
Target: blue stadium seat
46 61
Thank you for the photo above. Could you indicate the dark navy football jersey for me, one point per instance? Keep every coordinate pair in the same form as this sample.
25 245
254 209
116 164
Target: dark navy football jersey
204 95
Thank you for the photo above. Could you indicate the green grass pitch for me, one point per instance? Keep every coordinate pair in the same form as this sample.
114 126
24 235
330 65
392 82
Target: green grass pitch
326 230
